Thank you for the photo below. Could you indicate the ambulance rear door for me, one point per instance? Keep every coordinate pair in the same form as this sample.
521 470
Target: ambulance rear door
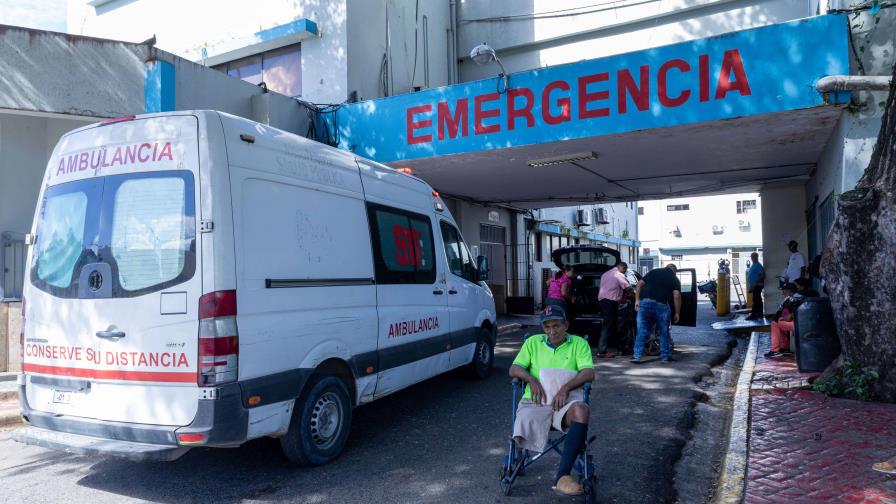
113 283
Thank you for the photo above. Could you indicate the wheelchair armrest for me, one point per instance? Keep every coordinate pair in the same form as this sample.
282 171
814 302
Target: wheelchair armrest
587 388
515 381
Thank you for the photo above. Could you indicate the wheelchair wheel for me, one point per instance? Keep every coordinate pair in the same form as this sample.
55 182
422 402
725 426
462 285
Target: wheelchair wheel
505 486
652 348
590 488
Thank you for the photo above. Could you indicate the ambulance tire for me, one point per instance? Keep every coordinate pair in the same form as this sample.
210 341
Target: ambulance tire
483 356
320 424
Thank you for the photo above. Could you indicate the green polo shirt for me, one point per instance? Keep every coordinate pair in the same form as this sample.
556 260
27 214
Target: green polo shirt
574 354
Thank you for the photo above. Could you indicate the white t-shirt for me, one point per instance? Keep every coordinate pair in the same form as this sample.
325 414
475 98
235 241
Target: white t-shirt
794 265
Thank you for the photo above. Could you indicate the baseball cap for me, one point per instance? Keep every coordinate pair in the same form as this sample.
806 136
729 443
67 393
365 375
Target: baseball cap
553 312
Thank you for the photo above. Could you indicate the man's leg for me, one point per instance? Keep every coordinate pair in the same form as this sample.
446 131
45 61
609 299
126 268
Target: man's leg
663 318
757 302
645 319
577 419
608 309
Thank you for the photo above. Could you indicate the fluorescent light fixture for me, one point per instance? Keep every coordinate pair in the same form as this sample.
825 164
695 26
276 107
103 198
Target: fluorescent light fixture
566 158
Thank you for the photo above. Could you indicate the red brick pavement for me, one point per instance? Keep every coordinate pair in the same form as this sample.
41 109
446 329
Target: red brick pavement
806 447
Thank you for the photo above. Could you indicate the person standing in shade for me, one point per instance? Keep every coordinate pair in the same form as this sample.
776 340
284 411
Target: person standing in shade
652 297
560 288
613 287
756 282
796 265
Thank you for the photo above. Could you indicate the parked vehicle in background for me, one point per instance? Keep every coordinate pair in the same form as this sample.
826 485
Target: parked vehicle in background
589 263
197 279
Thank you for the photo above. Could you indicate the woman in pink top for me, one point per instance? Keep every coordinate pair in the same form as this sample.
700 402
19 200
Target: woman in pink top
558 289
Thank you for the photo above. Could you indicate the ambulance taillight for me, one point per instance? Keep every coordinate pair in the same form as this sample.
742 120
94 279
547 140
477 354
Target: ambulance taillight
218 339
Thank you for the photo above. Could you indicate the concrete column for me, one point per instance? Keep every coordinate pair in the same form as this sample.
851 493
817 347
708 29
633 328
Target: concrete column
158 87
783 219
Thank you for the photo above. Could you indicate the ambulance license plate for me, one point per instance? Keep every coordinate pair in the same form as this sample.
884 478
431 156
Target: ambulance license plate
62 396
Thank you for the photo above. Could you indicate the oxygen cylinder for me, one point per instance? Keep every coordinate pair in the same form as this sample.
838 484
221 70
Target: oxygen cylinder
723 291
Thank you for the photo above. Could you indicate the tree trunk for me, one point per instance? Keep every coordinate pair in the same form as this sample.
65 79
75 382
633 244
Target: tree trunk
859 262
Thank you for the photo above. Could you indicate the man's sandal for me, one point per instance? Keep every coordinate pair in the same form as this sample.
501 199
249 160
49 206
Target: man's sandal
568 486
887 466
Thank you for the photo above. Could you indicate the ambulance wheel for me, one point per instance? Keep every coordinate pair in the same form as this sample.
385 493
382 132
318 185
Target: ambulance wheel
483 356
321 420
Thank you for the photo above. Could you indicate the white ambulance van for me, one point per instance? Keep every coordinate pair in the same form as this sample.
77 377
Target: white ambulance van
198 279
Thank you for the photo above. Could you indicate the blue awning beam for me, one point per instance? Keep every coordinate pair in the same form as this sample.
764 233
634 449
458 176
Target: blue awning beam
544 227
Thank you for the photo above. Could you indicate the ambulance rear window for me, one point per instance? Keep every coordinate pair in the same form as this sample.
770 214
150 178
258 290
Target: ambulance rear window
142 225
147 231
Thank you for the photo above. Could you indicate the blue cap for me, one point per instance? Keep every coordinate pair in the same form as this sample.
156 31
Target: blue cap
553 312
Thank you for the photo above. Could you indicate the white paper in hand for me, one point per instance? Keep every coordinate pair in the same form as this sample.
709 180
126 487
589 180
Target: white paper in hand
552 379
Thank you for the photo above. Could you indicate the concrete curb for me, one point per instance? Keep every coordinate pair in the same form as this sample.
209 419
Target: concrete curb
732 481
10 416
506 328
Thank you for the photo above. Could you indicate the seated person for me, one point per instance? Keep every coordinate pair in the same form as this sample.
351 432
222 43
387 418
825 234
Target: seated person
804 288
783 321
554 365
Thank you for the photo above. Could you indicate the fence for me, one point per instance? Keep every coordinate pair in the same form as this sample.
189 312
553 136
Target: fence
12 265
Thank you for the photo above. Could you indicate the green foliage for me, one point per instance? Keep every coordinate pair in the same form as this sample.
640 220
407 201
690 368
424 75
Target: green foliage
852 381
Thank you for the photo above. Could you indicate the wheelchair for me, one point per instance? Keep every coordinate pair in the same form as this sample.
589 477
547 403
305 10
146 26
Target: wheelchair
518 459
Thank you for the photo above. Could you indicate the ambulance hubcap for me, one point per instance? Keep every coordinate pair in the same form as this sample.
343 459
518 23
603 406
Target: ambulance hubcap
326 419
483 353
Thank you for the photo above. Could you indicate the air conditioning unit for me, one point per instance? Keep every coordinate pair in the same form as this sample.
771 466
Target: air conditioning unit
600 216
743 224
583 218
717 230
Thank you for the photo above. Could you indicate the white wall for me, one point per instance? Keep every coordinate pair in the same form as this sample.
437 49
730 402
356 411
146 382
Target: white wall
696 224
848 152
784 220
26 142
184 28
616 28
367 37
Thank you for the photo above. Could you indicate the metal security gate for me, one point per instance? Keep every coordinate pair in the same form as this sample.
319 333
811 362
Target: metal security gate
492 244
12 265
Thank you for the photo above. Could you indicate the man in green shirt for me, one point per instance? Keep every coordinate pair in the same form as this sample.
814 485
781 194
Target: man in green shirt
554 365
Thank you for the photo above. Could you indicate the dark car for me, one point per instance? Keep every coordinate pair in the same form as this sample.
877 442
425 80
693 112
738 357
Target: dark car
589 262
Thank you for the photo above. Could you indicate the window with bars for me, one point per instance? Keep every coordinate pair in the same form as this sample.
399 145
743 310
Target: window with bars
827 210
678 208
640 210
745 205
677 257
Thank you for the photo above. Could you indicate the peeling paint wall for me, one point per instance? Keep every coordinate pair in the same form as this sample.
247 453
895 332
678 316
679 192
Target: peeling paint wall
52 72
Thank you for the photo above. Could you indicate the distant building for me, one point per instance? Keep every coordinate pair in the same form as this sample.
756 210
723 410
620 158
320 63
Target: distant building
699 232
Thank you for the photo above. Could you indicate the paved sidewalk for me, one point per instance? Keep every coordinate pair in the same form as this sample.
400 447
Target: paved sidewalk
806 447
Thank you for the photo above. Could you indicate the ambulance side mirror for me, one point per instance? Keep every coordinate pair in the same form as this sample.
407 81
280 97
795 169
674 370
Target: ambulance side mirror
482 266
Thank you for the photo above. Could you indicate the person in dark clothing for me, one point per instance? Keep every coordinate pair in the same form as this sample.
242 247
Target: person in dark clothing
756 282
804 288
652 296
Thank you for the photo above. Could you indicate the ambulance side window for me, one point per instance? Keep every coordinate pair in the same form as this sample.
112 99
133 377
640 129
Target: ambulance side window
460 262
403 247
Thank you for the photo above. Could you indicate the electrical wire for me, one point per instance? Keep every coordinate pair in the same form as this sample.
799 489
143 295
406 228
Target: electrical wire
562 13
